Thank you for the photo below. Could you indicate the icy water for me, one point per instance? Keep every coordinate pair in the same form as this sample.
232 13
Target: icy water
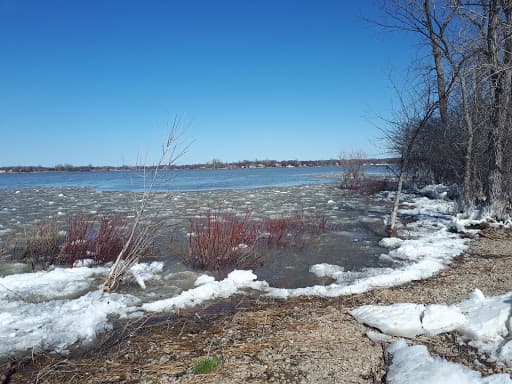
179 180
355 225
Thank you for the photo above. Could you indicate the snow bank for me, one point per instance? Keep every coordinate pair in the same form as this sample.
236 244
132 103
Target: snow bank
52 310
207 289
46 285
57 324
415 365
484 323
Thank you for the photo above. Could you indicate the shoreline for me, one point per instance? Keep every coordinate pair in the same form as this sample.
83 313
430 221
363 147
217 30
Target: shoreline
296 322
298 340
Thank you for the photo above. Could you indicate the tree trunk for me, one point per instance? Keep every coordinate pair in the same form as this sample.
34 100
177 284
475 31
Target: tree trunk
500 92
438 61
468 190
391 228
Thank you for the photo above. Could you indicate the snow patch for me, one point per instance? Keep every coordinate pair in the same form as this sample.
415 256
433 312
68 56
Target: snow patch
415 365
57 324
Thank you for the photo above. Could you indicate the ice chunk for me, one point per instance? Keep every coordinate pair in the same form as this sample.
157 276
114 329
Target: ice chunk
504 353
142 272
326 270
487 318
58 283
415 365
401 319
378 337
390 242
441 318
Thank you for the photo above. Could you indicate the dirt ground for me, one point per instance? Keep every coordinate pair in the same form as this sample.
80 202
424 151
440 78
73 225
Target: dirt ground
262 340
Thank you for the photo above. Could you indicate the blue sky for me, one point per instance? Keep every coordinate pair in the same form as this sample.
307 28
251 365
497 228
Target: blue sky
96 82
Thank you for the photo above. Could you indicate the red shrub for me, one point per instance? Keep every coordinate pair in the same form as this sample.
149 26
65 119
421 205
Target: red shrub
76 243
277 231
220 239
97 238
108 241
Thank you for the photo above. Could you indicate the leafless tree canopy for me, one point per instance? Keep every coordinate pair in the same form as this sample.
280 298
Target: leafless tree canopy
463 135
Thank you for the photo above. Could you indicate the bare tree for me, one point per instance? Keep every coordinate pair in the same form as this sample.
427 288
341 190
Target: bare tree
141 235
470 48
352 168
401 137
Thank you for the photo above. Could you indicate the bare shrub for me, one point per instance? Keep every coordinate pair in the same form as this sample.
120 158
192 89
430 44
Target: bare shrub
141 236
352 169
42 243
98 238
371 186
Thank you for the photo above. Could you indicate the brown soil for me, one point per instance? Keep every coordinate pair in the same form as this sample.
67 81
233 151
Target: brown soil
260 340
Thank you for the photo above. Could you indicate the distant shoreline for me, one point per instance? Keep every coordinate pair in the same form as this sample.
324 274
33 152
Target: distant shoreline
246 164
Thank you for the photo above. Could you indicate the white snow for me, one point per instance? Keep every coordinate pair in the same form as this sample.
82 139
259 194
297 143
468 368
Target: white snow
415 365
55 309
402 319
390 242
208 289
440 318
57 324
46 285
484 323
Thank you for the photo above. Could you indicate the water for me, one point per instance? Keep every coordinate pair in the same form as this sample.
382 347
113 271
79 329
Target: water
355 223
179 180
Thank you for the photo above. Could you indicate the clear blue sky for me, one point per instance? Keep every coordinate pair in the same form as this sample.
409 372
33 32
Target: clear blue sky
95 82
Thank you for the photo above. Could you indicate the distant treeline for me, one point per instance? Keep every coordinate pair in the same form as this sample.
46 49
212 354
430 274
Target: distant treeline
214 164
